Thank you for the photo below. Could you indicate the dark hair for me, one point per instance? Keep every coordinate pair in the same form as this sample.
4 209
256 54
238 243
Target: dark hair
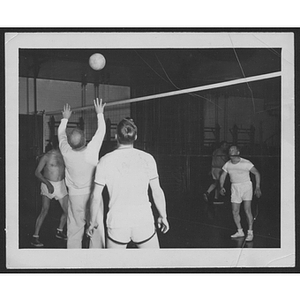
126 131
76 138
236 146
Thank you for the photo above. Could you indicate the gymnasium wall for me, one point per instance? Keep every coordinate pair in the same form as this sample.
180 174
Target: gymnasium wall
53 94
226 111
242 112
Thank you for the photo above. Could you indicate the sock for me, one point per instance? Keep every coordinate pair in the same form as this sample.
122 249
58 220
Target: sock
35 235
250 231
58 229
240 230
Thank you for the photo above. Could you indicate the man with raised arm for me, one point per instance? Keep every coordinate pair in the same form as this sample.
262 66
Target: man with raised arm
80 161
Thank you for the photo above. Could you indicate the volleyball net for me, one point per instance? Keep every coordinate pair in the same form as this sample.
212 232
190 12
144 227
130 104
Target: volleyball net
181 128
185 121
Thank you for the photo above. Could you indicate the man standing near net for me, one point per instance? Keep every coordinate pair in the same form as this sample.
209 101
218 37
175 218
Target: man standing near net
128 172
80 161
239 170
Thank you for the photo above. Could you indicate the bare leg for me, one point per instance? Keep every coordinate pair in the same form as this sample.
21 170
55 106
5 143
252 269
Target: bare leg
40 219
217 189
248 212
212 187
236 214
64 205
216 194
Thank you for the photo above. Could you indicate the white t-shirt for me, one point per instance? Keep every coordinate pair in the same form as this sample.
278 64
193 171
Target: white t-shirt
127 173
80 165
239 172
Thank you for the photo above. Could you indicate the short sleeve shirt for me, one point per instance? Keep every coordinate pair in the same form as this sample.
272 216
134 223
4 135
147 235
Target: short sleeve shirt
126 172
239 172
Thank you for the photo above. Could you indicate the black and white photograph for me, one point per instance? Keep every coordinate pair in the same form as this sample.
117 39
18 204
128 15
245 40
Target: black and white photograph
181 141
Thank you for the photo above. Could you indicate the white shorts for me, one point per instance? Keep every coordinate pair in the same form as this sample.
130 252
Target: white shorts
241 192
138 234
60 190
130 223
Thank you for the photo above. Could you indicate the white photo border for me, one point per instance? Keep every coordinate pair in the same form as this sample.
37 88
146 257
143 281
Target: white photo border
163 258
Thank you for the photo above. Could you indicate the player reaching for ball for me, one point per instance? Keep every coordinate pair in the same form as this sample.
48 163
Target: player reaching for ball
80 161
128 172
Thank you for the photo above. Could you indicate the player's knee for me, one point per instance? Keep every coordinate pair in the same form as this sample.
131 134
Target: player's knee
247 209
45 210
248 213
235 212
65 210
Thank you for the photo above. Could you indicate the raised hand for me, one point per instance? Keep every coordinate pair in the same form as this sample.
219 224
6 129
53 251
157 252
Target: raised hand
67 111
99 107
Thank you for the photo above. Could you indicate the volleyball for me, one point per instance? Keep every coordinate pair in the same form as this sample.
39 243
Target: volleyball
97 61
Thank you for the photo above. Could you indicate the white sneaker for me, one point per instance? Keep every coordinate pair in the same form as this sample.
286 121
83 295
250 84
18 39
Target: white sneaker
238 235
249 237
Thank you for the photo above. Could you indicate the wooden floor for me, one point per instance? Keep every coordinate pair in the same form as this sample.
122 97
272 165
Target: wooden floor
202 225
193 224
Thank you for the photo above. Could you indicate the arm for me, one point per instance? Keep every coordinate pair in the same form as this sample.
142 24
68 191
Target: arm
39 175
62 136
222 181
160 203
257 191
95 144
96 208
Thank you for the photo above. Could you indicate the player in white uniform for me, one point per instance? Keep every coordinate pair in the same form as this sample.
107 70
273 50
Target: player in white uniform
127 172
241 189
80 161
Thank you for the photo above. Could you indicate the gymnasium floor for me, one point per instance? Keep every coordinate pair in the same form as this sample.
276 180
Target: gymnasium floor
202 225
193 223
